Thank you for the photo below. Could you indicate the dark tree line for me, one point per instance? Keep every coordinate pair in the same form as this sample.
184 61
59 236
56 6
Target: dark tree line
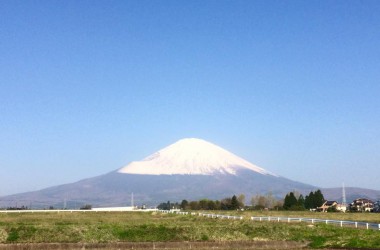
228 203
86 207
311 201
17 208
292 201
168 205
314 200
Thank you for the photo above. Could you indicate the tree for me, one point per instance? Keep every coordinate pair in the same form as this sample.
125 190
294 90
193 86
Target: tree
314 200
319 199
309 201
267 201
194 205
258 202
279 205
211 205
290 201
287 202
234 203
86 207
255 200
270 200
241 199
217 205
301 202
225 204
164 206
261 202
203 204
184 204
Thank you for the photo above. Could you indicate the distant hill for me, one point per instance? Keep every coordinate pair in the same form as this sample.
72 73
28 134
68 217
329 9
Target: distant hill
352 193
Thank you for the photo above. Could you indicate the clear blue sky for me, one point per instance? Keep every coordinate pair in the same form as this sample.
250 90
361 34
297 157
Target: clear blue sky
88 86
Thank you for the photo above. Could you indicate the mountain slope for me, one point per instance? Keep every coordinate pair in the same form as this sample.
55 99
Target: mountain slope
114 189
188 169
352 193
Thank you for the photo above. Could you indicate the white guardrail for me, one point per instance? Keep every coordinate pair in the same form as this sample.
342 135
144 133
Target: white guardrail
341 223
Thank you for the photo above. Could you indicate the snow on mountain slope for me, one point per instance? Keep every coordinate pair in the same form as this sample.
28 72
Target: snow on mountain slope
191 157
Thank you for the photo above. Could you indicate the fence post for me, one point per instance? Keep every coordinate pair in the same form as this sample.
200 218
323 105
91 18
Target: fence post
288 219
312 221
278 219
379 226
356 225
341 223
326 222
269 218
367 225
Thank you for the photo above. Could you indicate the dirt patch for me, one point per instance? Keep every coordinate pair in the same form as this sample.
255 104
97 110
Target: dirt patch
158 245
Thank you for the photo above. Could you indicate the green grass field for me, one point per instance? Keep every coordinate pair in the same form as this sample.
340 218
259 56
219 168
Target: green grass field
114 227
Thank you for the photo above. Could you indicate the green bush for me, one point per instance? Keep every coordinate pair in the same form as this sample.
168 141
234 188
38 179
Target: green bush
13 235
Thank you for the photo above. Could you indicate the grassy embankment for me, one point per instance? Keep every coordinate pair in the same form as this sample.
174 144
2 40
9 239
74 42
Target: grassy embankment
105 227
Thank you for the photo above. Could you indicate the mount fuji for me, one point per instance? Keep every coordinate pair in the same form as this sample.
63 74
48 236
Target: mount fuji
188 169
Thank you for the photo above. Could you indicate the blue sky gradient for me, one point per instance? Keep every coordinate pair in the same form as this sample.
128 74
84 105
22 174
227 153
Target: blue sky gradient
88 86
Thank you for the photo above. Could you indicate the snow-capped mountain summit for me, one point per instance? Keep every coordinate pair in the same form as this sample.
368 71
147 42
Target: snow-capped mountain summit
191 156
